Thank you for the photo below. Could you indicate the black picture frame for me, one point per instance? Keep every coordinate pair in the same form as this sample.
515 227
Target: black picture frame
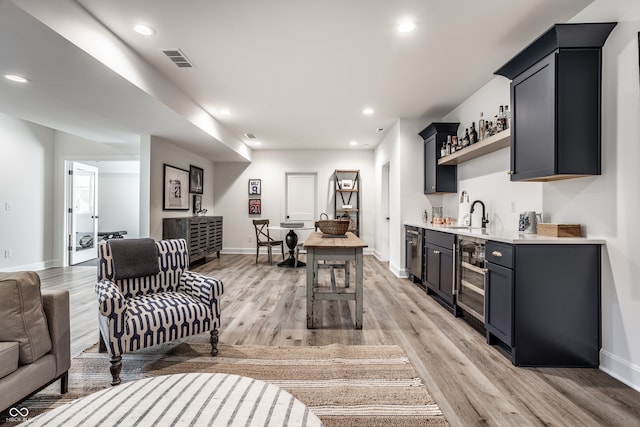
255 187
255 206
197 203
196 180
175 196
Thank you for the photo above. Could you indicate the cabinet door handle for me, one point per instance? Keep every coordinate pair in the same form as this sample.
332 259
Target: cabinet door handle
436 252
433 187
509 172
496 254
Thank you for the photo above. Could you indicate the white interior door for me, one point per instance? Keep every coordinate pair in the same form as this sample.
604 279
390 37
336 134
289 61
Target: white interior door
301 195
83 212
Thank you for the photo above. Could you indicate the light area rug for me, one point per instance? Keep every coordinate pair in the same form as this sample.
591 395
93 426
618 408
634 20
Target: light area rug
343 385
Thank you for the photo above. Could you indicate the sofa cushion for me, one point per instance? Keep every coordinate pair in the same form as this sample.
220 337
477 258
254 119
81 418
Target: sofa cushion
9 352
22 318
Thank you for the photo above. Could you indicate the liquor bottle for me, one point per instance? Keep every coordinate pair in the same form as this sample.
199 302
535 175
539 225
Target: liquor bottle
473 134
507 117
465 140
443 150
481 129
454 144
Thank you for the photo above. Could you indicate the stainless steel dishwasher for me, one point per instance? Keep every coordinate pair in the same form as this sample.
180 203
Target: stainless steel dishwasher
413 250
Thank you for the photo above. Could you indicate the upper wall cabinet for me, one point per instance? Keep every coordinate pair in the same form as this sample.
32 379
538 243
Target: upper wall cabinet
438 178
555 98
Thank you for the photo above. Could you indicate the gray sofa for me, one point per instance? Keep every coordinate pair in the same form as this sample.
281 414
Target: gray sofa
34 338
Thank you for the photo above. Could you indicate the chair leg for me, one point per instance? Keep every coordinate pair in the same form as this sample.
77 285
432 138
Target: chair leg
214 342
64 383
115 368
257 253
269 252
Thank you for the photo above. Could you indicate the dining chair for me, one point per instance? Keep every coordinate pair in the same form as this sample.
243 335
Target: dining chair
263 239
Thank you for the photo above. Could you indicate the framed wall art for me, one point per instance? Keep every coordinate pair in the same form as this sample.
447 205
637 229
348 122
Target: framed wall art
255 207
197 204
254 187
175 195
196 175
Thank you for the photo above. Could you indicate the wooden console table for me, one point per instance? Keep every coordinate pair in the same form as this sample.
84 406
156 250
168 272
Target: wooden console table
344 249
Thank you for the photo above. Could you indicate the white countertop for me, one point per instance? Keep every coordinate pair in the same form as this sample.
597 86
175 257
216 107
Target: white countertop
507 236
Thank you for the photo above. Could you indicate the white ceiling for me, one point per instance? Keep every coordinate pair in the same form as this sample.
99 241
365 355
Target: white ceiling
296 73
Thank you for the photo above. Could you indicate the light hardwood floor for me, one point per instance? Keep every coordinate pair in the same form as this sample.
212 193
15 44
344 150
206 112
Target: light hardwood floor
474 383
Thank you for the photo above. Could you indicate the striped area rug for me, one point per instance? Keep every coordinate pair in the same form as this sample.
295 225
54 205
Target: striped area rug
343 385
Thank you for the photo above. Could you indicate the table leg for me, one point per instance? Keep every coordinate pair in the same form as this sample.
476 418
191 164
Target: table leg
311 277
291 240
359 290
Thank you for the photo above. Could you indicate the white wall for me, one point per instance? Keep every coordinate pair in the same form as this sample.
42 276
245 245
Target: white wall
231 190
164 152
26 168
609 204
119 197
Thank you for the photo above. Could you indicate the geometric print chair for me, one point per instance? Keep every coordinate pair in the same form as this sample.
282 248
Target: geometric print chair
147 296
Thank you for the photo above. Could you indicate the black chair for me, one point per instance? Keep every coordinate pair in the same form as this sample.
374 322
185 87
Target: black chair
263 238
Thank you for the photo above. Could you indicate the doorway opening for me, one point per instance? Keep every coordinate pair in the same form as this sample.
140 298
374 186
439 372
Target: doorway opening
102 200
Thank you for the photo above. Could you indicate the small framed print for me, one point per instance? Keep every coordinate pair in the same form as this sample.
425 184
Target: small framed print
197 204
196 175
255 207
254 187
347 184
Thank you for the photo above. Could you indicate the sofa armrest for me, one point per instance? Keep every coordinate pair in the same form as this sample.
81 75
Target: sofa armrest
56 308
111 302
206 289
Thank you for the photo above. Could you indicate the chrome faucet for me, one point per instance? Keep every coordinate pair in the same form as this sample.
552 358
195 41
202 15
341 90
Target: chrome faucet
485 220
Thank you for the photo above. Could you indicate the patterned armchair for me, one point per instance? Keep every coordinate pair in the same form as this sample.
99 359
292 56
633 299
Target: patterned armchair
142 304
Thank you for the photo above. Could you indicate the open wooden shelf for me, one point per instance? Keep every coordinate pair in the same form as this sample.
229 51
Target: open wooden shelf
488 145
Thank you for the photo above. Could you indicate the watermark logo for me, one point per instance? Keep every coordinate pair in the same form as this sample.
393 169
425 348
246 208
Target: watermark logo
18 415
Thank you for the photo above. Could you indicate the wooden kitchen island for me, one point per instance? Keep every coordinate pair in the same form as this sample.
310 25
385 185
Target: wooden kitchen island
327 249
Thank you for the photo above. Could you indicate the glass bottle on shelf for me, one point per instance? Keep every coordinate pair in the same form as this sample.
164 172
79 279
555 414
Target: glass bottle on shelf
473 134
465 140
507 117
481 129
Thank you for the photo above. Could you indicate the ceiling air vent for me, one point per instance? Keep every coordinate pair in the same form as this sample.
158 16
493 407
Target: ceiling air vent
379 130
250 135
178 58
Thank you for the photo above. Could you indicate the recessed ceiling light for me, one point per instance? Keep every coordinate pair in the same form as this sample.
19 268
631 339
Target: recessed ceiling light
406 26
367 111
353 143
145 30
16 78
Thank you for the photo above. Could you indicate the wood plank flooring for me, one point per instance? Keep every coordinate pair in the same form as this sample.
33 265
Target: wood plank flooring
474 383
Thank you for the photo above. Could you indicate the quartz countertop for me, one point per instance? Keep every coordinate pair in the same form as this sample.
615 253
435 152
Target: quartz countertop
507 236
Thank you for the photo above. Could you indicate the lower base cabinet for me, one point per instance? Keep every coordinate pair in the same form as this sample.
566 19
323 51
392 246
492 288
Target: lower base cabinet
439 269
542 303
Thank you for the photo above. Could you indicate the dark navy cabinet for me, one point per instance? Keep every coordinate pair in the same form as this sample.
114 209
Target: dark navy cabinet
543 303
438 178
556 103
438 271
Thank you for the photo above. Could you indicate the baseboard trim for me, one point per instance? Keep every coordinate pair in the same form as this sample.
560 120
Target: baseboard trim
620 369
36 266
